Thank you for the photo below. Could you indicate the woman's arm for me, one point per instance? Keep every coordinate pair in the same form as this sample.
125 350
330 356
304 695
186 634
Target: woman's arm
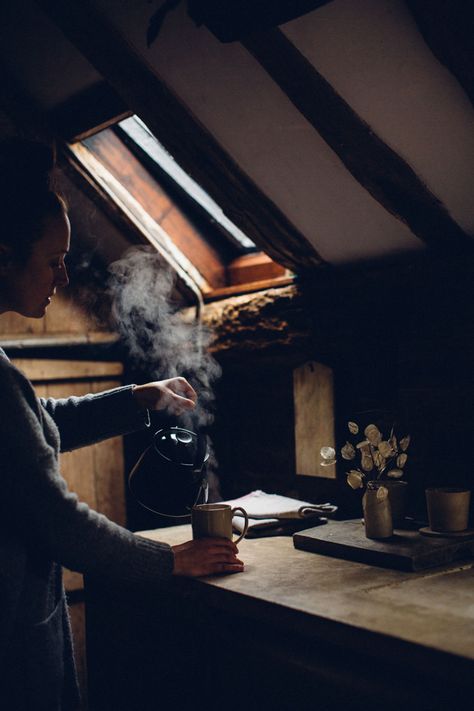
38 506
92 418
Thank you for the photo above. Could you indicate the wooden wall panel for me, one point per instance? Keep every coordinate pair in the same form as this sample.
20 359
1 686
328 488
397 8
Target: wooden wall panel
314 418
62 316
13 324
46 369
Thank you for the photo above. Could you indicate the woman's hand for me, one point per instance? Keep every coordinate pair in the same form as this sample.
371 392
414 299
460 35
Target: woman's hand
174 394
206 556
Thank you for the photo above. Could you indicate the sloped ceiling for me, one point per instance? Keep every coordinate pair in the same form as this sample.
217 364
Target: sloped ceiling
373 58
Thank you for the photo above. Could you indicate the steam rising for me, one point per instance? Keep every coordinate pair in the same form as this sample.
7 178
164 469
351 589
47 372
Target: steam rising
159 341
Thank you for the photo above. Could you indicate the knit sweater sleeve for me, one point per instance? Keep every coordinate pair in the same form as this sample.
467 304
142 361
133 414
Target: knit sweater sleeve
91 418
47 514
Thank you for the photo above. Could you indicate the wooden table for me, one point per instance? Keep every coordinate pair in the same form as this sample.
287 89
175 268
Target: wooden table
296 628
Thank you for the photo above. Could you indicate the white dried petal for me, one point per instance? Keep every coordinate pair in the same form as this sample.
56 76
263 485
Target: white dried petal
367 463
402 460
373 434
328 462
395 473
382 493
386 450
328 452
364 445
348 451
404 443
355 479
353 427
379 460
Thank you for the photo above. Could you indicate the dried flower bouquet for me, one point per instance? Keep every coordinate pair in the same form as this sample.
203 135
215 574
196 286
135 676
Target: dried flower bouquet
379 458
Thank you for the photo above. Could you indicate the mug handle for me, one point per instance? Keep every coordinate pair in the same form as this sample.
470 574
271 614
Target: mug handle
246 524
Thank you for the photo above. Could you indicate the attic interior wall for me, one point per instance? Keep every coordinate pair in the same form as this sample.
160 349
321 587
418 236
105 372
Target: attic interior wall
400 341
410 355
413 357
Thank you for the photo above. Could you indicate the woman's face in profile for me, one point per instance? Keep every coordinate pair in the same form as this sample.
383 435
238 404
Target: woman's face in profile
31 286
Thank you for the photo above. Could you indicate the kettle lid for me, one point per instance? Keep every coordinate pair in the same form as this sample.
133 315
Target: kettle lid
170 477
181 447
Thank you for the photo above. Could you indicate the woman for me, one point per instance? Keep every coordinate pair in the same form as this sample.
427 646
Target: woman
42 525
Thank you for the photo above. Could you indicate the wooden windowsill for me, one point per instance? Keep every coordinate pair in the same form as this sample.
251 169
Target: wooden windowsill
247 288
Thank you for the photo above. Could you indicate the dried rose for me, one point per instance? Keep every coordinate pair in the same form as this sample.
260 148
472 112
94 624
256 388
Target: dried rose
348 451
386 450
328 462
395 473
379 460
367 463
355 479
328 452
402 460
353 427
373 434
404 443
364 446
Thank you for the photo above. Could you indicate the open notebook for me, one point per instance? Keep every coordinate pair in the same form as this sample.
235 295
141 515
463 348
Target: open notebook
275 515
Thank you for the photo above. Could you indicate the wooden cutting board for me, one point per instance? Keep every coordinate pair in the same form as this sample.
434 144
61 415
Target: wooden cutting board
406 550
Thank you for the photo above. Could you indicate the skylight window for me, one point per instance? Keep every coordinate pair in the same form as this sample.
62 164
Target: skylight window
158 203
142 137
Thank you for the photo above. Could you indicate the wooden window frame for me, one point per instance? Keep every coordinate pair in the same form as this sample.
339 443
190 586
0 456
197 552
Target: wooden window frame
209 265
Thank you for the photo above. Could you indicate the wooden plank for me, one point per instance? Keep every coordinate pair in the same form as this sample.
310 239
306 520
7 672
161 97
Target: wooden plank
110 479
12 324
405 550
254 267
121 162
58 340
146 94
205 258
62 316
314 418
248 288
65 316
378 168
44 369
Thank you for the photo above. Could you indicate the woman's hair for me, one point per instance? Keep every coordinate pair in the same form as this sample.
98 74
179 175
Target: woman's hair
27 194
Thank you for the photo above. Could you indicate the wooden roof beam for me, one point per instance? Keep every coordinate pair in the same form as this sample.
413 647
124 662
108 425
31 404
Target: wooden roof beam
376 166
184 137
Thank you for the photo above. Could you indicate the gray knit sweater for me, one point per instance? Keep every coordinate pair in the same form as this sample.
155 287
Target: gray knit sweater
44 526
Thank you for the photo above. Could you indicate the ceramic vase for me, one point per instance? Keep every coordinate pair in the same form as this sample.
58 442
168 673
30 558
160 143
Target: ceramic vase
377 513
397 496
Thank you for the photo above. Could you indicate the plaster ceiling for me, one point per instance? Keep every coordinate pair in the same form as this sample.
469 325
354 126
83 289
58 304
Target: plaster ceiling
373 55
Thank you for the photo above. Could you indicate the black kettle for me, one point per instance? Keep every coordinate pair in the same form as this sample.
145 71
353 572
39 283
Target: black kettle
170 476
